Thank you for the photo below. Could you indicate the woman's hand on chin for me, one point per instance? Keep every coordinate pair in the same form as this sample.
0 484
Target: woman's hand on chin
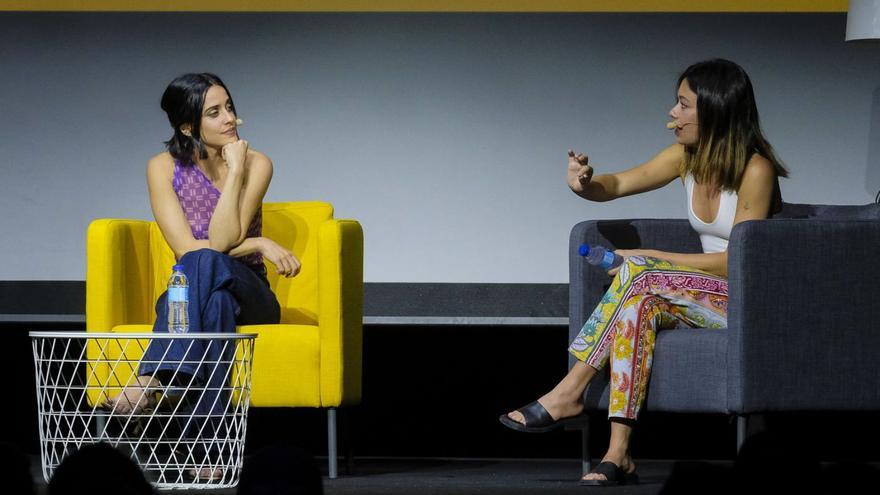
235 155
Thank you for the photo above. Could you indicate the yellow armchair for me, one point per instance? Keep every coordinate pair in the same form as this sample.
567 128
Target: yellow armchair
311 359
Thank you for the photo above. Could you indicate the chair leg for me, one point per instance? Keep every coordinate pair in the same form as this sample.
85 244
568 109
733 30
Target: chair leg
585 450
581 423
741 424
100 425
333 467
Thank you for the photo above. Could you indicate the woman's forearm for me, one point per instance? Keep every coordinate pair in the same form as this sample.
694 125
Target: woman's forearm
248 246
224 230
193 245
600 188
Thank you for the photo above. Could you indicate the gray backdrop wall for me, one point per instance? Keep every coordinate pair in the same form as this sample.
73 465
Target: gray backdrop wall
445 135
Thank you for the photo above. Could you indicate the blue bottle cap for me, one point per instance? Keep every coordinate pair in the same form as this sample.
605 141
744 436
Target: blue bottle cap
177 268
584 250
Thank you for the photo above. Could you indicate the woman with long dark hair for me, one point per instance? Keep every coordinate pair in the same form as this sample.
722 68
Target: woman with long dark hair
206 192
730 174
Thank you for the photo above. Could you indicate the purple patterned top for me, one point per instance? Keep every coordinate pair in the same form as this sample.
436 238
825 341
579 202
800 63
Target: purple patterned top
198 196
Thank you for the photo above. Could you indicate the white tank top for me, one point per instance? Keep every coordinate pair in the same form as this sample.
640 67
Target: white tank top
714 235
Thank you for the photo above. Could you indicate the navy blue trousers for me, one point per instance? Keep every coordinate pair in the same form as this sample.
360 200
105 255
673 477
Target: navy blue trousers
223 293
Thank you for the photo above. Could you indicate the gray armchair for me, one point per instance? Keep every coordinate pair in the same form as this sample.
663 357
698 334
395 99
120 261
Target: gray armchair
801 333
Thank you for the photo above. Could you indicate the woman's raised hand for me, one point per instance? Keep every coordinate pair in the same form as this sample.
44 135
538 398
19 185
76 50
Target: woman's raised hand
579 173
285 262
235 154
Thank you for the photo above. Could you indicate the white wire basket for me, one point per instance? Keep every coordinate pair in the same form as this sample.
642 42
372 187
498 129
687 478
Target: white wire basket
190 434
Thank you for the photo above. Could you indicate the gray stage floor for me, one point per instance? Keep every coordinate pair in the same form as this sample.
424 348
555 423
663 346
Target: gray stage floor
396 476
483 476
393 476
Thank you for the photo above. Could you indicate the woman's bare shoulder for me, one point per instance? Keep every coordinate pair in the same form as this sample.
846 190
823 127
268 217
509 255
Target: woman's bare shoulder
160 166
669 160
258 157
162 160
671 156
759 169
259 162
674 149
758 178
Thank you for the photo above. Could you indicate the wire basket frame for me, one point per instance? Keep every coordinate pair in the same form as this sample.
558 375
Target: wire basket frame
190 432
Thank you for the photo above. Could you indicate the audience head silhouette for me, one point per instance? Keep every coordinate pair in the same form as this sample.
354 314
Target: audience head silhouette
15 470
96 468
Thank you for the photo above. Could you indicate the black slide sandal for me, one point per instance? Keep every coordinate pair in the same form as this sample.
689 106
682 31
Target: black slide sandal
613 476
537 419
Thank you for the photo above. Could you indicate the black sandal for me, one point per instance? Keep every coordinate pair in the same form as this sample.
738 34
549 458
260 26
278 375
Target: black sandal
613 476
537 420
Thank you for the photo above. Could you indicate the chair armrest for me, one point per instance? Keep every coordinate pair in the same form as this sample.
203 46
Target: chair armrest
117 274
587 283
340 310
803 331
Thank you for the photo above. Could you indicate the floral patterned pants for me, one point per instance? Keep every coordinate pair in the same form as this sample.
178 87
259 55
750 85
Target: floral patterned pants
646 295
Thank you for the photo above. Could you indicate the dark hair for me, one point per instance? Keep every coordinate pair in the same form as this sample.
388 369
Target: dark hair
182 101
15 470
79 472
730 130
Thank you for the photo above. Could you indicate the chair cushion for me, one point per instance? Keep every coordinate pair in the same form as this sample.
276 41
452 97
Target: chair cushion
689 374
122 355
298 316
295 226
289 360
287 365
690 368
161 262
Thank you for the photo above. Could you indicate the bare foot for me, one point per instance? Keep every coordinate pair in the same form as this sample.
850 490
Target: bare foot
135 397
624 462
559 404
567 397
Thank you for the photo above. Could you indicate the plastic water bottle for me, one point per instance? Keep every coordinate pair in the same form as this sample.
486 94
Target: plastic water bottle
178 300
599 256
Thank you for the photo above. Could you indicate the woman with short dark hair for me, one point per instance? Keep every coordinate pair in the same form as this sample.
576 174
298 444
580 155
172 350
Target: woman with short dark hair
730 174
